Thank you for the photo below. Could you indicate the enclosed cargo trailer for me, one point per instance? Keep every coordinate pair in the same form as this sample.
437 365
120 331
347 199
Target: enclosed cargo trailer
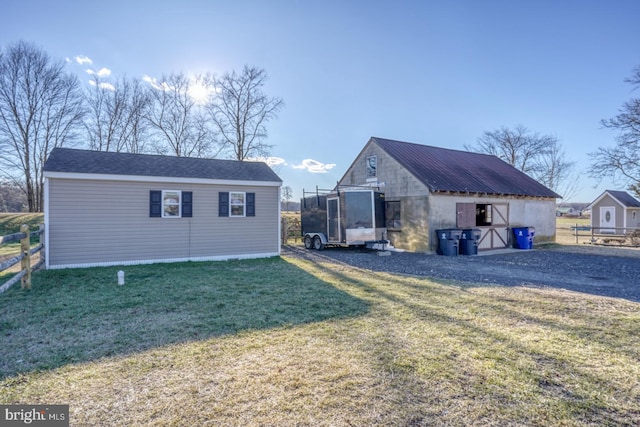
344 217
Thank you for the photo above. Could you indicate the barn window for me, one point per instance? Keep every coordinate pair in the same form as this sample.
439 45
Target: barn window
483 214
372 167
392 215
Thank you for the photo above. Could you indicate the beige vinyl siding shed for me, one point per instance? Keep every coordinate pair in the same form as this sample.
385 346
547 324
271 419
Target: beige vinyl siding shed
100 219
615 212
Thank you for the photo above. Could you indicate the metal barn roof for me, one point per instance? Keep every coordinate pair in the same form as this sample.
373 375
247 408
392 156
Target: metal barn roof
445 170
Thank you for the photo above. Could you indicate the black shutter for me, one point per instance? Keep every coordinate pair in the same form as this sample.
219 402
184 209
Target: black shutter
251 204
187 204
155 204
223 203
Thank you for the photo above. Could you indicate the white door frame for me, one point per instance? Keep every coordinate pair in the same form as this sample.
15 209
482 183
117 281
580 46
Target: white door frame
608 223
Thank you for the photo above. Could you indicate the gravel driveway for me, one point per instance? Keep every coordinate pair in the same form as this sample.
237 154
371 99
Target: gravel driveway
595 270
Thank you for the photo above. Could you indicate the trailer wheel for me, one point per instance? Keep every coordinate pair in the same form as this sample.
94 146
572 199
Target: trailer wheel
308 242
317 243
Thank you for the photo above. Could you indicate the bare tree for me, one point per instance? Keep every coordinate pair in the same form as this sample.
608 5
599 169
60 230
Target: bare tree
116 115
555 171
240 112
177 119
622 161
519 147
41 107
12 198
539 156
287 195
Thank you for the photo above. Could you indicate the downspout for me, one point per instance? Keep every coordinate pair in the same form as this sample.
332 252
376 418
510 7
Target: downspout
279 235
46 222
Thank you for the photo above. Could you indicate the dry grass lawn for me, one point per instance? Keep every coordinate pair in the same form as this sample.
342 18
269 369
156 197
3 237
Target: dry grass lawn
287 342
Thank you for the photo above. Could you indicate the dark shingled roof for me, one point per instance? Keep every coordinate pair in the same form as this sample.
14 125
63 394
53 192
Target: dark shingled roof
110 163
444 170
625 198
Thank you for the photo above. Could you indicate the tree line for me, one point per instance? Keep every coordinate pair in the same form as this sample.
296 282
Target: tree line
43 106
542 157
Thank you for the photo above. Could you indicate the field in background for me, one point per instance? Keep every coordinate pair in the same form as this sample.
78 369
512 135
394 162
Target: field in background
565 235
11 222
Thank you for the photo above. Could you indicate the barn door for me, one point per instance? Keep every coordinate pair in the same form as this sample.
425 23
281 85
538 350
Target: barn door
500 215
495 235
465 215
500 225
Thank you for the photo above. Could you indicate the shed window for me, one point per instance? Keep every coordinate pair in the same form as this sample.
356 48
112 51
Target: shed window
236 204
170 204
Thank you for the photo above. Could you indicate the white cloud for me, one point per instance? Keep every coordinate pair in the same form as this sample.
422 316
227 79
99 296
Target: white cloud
102 72
103 85
81 59
271 161
314 166
154 83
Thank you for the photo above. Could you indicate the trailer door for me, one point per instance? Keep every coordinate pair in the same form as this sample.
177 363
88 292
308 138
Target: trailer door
333 220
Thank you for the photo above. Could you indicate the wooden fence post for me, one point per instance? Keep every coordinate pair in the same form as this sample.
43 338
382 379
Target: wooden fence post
25 263
43 255
285 230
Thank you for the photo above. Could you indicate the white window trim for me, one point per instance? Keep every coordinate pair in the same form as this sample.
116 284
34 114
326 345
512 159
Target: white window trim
179 204
244 204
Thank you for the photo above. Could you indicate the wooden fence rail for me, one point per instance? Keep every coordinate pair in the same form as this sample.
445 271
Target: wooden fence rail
290 229
614 236
24 257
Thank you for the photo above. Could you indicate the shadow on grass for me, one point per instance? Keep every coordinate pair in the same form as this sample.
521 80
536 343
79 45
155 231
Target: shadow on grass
78 315
590 273
512 350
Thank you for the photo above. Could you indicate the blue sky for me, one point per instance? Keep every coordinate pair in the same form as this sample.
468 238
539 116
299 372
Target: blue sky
432 72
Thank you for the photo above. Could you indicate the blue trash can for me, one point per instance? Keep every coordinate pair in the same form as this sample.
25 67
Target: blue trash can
524 237
469 241
448 240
